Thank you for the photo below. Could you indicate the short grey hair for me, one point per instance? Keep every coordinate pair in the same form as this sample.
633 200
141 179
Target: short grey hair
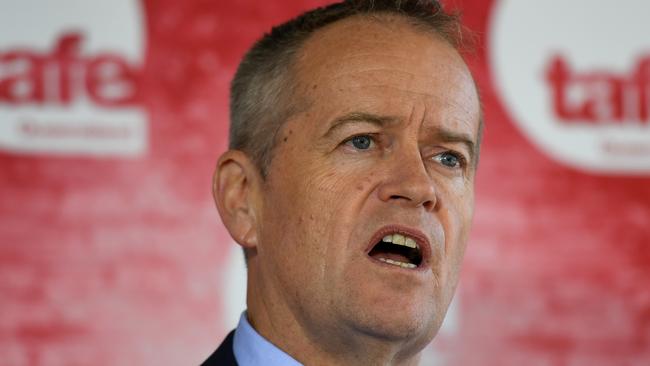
262 93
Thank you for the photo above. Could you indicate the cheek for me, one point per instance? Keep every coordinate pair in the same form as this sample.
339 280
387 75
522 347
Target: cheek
457 205
331 200
334 183
300 209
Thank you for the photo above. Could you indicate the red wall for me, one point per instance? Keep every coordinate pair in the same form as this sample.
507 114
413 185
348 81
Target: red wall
114 260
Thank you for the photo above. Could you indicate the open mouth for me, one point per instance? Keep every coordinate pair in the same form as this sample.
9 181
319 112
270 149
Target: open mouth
398 250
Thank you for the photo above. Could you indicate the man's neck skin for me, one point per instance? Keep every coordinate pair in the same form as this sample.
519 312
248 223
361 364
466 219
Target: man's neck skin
272 317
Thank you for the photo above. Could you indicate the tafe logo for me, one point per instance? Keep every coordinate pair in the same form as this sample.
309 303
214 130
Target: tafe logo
69 74
575 75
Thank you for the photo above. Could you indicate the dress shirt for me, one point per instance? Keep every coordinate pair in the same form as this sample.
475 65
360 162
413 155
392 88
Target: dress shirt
251 349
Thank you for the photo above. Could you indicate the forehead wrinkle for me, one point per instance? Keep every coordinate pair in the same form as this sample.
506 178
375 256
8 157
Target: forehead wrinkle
436 99
357 73
439 73
360 116
381 85
378 75
362 58
413 116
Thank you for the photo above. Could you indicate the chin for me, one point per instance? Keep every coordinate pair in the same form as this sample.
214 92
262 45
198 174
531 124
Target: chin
401 326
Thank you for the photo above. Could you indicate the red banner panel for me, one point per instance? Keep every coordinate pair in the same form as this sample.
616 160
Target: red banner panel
112 116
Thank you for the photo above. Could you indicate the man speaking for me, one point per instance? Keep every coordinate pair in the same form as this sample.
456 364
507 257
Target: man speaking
349 184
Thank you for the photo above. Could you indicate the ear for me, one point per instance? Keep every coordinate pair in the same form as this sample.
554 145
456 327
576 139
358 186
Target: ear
235 187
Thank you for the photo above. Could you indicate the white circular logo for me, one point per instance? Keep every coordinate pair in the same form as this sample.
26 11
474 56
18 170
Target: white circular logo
575 76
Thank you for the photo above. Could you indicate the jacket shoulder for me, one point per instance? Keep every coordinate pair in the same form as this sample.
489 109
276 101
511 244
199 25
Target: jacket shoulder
224 355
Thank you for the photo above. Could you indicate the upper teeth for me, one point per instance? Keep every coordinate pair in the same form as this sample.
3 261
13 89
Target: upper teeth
400 239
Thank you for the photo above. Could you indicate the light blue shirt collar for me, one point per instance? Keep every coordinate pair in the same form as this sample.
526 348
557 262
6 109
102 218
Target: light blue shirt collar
251 349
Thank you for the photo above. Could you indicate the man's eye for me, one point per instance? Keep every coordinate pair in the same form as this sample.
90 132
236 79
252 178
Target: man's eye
450 159
361 142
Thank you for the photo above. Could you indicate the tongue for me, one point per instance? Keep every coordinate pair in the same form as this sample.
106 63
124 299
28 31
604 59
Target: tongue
390 255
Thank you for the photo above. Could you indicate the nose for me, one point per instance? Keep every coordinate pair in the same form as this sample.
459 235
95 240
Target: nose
409 183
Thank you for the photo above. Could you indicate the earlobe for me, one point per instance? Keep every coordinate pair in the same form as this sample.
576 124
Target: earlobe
234 187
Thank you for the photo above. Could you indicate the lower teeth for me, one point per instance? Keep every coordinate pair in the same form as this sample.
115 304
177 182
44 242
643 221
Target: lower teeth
397 263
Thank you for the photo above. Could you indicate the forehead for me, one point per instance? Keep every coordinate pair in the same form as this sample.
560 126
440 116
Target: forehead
385 64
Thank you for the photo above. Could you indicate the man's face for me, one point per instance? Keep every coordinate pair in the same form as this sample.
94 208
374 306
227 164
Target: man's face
383 146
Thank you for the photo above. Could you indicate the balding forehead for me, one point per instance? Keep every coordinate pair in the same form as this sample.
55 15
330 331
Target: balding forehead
358 38
355 63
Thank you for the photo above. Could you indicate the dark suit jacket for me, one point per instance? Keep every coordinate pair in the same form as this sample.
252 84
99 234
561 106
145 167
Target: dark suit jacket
224 355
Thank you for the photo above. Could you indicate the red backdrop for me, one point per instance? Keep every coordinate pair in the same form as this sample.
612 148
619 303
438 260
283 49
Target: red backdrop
116 258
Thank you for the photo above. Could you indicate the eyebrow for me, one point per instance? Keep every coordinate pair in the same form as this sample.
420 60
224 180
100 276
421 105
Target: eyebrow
446 135
438 133
356 117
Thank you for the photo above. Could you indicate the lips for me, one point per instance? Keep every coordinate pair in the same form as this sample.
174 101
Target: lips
400 247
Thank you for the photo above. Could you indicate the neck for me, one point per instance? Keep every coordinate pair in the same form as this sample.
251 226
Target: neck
319 343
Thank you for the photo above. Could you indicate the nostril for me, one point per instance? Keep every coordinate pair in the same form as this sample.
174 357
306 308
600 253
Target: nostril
428 205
